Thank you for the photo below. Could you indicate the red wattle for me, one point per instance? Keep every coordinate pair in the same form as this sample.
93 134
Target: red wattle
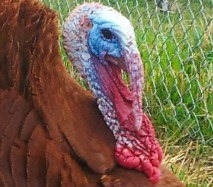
135 148
115 89
140 150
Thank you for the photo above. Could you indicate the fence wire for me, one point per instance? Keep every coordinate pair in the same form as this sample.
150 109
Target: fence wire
175 39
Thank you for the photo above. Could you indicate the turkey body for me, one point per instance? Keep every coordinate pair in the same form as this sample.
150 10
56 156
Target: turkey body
51 131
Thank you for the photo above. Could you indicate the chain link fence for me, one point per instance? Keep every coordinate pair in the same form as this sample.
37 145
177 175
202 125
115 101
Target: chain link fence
176 44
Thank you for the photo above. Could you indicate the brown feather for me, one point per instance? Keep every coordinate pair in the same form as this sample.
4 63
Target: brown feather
18 157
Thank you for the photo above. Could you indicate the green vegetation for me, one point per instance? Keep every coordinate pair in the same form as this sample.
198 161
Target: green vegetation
177 52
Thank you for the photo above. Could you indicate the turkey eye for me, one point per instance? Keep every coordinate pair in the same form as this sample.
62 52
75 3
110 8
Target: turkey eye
107 34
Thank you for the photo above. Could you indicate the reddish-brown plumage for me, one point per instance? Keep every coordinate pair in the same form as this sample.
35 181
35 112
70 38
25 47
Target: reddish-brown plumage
51 132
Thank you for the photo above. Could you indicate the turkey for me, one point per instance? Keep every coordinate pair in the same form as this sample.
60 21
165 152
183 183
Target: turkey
51 130
100 42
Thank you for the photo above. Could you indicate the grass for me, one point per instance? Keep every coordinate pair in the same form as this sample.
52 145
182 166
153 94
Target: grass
177 52
191 162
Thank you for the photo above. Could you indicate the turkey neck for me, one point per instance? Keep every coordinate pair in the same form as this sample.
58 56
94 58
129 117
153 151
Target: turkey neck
106 90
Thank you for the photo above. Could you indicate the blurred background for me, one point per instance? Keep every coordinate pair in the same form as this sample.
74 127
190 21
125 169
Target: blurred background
175 39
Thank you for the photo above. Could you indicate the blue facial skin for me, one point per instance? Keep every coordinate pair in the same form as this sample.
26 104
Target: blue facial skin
103 40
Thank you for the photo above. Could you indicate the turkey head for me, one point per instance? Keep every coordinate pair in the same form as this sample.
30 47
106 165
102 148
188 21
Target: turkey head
101 43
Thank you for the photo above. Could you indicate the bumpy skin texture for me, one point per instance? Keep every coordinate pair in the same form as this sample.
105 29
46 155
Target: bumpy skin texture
100 42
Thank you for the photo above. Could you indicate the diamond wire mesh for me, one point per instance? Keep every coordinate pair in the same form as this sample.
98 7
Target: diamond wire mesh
177 51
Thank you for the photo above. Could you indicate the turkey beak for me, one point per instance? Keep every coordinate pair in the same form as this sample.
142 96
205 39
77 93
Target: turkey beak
134 68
